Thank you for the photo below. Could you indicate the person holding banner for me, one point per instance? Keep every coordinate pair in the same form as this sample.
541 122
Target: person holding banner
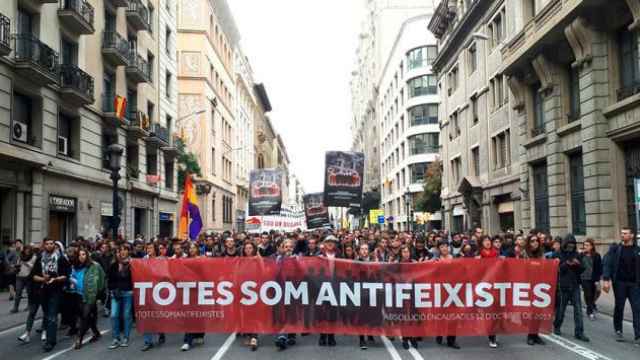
405 257
488 251
330 252
250 250
569 288
444 255
533 249
192 338
364 256
151 254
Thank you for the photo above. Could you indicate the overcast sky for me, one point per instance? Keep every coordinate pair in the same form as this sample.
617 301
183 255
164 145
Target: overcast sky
304 51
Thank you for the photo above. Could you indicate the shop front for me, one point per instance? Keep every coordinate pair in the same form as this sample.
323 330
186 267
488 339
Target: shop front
62 218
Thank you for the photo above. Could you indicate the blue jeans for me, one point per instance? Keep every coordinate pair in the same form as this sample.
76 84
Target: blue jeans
622 291
121 310
50 305
563 297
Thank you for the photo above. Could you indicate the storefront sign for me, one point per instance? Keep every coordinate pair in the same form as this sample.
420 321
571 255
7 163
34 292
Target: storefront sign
106 209
62 204
374 216
166 217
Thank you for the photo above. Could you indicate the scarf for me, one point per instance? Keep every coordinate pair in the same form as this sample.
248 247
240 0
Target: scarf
50 262
489 253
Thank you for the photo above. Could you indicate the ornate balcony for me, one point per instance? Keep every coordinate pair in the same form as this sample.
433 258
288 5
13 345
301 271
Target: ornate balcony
5 35
138 16
171 151
138 126
115 48
77 15
76 86
35 60
158 135
138 69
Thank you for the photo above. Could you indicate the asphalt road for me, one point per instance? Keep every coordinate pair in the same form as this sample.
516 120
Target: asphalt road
228 346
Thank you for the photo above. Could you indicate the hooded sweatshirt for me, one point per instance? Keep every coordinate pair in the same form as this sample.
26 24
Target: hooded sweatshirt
569 275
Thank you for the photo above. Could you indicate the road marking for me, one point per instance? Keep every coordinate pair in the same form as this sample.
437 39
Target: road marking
225 347
390 348
416 355
575 348
64 351
17 327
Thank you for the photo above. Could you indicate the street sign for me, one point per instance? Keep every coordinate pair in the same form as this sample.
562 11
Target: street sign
381 219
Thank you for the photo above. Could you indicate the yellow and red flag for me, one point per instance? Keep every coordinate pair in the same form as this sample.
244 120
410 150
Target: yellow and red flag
120 106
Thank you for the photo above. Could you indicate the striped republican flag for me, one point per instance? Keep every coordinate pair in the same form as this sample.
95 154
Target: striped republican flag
190 211
120 106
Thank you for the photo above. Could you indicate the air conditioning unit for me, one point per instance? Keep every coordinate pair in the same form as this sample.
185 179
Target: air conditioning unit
63 143
19 131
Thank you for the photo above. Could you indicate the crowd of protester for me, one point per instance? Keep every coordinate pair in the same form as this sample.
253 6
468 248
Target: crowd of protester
67 283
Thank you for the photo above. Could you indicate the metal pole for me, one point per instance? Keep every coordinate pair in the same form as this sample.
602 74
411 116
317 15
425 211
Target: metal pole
115 222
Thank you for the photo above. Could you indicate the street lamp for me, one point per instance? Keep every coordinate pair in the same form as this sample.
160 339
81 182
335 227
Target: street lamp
407 200
115 152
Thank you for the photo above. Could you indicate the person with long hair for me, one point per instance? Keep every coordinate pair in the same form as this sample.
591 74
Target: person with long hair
489 250
405 257
250 250
591 275
26 261
348 252
121 288
533 249
444 255
34 300
87 281
151 253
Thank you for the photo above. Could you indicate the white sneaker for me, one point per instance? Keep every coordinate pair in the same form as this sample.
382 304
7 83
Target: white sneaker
493 344
114 344
25 338
124 343
44 336
185 347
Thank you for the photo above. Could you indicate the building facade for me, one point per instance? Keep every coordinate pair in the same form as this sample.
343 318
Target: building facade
382 39
409 131
63 63
207 37
481 172
571 68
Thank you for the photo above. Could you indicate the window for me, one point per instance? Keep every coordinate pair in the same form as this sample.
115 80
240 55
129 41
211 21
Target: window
168 85
423 144
133 154
574 94
423 85
150 112
213 206
472 58
418 172
454 127
168 175
629 64
69 52
475 157
152 160
541 196
68 136
167 41
578 213
538 111
25 22
455 169
423 114
501 144
151 60
421 56
474 110
23 115
498 92
452 80
497 29
213 161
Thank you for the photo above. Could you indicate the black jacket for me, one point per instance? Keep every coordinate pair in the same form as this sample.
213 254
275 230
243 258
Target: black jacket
119 280
64 269
569 275
596 275
612 261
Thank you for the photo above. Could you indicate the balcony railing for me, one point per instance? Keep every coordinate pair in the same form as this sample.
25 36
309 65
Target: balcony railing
627 91
5 35
138 15
82 11
115 48
73 78
417 150
32 54
160 132
138 68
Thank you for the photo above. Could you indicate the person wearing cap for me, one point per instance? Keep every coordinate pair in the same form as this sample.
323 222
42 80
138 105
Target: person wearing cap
329 251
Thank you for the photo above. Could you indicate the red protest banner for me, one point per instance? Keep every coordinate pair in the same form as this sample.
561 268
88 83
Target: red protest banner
466 297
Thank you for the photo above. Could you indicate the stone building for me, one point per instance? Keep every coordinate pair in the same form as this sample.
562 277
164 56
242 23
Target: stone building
62 65
207 37
572 72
